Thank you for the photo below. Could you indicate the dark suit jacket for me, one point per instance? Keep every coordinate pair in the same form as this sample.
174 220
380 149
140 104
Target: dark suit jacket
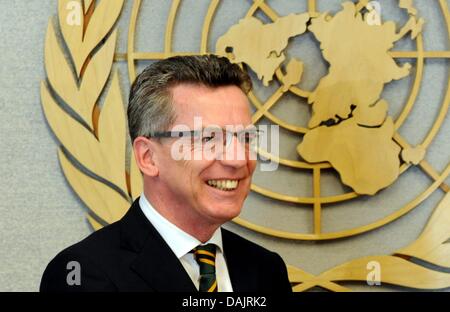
130 255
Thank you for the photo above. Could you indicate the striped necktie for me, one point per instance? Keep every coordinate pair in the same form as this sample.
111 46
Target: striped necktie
206 259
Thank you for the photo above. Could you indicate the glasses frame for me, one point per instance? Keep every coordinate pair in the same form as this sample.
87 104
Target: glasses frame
193 133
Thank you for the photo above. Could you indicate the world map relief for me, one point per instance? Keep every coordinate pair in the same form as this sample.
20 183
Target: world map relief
349 126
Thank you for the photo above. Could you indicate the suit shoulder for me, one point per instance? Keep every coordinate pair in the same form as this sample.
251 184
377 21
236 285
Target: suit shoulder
98 242
270 263
89 257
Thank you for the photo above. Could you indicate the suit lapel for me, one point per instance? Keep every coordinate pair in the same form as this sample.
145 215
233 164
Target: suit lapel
158 266
155 262
243 273
161 269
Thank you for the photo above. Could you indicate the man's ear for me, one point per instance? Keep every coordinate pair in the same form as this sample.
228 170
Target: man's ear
144 153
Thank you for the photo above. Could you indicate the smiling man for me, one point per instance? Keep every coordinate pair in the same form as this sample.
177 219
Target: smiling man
190 124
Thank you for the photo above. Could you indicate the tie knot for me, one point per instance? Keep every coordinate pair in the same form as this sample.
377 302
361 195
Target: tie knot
205 254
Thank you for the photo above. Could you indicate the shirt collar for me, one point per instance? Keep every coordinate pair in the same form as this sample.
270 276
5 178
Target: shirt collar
178 240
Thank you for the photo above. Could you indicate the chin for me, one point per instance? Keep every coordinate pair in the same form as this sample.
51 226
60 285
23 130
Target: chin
222 206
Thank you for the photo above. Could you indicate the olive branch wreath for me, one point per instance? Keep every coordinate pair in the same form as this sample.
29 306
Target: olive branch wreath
95 137
92 150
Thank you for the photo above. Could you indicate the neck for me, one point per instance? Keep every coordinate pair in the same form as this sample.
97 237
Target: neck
185 219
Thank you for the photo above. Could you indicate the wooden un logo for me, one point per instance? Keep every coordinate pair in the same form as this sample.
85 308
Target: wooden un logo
351 130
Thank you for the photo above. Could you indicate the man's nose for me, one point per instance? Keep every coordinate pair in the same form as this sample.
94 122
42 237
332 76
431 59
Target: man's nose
235 154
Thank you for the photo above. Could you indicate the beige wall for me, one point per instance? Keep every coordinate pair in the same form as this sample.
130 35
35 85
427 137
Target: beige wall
40 214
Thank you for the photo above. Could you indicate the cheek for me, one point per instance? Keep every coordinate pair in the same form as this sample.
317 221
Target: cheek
176 174
193 175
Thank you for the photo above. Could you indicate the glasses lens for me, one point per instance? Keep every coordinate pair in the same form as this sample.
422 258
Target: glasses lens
215 138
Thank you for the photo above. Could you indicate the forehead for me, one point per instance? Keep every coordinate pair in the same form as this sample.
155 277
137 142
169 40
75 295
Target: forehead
224 105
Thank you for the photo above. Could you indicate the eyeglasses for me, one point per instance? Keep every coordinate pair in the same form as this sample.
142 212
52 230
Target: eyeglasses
214 136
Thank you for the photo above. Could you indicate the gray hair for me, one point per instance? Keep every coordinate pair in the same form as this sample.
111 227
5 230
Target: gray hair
150 106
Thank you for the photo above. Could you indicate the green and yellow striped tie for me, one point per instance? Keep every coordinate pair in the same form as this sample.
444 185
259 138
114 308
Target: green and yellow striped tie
206 259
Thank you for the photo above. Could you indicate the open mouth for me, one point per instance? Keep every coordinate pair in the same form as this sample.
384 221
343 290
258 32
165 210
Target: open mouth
224 185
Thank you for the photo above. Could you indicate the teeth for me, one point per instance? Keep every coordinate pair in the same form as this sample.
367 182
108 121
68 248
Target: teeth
224 185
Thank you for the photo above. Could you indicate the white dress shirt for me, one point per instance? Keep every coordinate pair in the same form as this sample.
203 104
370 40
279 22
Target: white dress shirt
182 243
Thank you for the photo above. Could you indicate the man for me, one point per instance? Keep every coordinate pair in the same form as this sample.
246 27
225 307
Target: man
196 177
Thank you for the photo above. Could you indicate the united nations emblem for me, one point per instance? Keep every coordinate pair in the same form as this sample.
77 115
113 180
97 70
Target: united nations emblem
352 130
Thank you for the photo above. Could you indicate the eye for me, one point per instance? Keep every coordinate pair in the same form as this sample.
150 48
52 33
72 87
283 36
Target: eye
249 136
207 139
